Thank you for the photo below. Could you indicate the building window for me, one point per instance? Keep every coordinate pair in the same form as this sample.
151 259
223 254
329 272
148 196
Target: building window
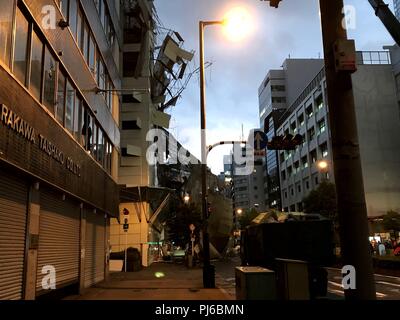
35 83
289 171
324 150
21 47
307 184
60 98
309 111
93 145
316 181
278 99
322 126
277 88
292 191
50 69
92 55
311 134
283 175
63 4
73 16
298 188
313 156
296 167
304 162
78 120
319 102
6 22
301 119
69 107
100 147
293 127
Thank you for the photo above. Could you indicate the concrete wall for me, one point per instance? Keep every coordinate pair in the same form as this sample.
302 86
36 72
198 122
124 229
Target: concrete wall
378 122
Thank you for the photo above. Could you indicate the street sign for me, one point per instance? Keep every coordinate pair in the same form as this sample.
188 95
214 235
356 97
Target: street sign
260 140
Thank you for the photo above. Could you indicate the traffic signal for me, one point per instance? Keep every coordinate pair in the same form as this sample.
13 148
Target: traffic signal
125 212
287 142
274 3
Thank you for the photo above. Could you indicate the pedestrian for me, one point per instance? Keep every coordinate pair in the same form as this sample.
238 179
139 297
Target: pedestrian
381 249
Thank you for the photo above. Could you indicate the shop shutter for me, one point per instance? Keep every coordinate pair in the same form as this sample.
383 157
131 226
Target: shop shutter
13 216
59 239
94 248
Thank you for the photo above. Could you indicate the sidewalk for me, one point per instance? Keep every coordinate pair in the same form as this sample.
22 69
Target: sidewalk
160 281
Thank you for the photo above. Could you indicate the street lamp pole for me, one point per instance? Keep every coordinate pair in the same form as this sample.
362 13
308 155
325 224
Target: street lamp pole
208 271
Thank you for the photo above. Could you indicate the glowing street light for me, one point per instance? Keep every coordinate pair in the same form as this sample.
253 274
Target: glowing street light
323 165
186 198
239 211
236 23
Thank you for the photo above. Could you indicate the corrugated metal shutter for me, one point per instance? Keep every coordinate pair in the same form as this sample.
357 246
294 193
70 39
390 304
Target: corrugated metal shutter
13 216
59 239
95 248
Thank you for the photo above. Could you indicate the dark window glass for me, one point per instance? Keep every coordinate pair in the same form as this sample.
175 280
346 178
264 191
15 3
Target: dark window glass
36 66
93 148
21 47
64 8
69 107
79 30
78 120
100 147
60 98
92 57
85 42
73 16
6 20
49 81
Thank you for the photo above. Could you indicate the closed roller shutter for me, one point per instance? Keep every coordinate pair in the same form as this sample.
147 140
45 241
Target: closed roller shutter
59 238
13 216
94 248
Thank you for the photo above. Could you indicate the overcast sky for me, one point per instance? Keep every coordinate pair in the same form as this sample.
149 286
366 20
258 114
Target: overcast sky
239 68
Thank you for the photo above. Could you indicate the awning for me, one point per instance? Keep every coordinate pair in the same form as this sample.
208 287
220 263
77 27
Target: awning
157 197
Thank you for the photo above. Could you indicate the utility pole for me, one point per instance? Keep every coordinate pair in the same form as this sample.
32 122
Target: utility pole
352 210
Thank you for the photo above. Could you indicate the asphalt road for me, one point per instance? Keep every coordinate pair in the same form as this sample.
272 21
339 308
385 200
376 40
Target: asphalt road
387 288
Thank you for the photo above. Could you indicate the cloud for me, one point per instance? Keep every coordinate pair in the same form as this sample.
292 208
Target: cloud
238 68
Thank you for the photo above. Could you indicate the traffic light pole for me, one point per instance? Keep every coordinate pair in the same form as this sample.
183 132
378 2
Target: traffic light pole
352 210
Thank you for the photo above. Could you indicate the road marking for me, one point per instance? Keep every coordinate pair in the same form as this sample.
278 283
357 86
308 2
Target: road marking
388 283
376 275
335 284
378 294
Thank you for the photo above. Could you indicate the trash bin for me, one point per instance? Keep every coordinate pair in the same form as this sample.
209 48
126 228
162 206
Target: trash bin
255 283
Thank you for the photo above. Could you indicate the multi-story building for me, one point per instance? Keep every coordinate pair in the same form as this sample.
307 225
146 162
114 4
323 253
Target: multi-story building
248 190
146 76
396 4
378 126
59 142
277 91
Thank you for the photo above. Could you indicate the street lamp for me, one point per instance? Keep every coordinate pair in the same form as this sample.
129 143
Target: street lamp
323 167
239 211
235 21
186 198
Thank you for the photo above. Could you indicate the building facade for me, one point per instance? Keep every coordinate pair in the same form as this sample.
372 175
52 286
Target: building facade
277 91
59 143
396 4
148 62
378 126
